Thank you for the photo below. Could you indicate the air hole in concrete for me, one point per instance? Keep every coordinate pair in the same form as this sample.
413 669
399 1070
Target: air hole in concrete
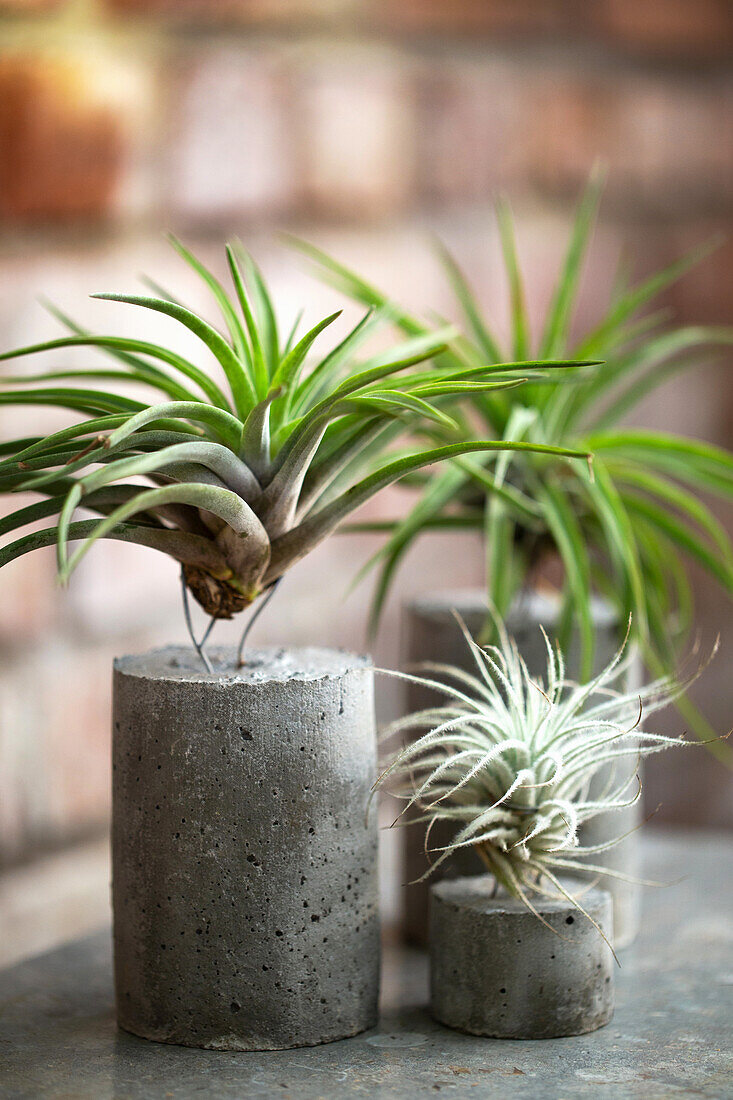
235 1006
570 920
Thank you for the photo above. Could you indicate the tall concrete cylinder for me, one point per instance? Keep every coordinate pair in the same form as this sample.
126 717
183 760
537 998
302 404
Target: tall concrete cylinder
244 867
431 633
497 970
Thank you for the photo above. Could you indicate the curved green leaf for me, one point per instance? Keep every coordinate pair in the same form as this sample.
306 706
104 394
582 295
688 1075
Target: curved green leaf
559 317
260 373
520 321
568 537
265 312
235 474
77 400
323 374
681 536
638 296
155 379
488 346
228 427
180 545
286 374
228 312
122 343
609 508
220 502
294 544
235 371
677 498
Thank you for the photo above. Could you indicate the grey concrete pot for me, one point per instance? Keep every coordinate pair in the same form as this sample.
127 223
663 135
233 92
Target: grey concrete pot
431 633
244 874
496 970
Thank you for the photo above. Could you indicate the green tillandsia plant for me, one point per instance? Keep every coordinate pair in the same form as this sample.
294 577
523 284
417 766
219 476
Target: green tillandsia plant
622 531
508 761
244 480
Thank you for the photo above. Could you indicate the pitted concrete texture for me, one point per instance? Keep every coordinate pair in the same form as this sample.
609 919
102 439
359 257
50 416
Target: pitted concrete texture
497 970
669 1037
432 634
244 866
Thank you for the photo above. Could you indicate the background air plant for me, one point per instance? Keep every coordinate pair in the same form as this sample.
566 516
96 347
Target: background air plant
622 531
245 478
509 760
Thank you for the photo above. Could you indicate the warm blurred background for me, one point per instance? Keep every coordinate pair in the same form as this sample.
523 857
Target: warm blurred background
365 125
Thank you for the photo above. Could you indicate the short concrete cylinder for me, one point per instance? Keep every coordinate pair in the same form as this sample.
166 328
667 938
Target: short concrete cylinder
244 877
496 970
431 633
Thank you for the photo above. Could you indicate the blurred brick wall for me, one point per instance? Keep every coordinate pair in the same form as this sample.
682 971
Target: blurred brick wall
365 126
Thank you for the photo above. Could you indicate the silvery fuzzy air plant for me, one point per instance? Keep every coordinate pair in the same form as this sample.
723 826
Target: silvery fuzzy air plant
248 478
509 761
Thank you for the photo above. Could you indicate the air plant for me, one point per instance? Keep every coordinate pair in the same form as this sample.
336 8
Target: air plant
508 760
622 531
244 479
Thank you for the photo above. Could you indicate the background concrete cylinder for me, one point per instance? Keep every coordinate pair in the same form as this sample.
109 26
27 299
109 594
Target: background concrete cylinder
496 970
432 634
244 887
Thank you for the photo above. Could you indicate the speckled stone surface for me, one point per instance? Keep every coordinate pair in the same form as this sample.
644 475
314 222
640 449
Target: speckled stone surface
244 869
432 634
670 1036
496 970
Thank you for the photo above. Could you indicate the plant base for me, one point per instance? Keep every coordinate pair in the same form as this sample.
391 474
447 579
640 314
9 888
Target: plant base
496 970
244 885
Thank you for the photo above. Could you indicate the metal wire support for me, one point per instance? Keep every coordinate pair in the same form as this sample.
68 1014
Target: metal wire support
198 646
253 619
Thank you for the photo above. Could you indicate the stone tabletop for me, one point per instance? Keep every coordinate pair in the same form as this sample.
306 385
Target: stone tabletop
671 1036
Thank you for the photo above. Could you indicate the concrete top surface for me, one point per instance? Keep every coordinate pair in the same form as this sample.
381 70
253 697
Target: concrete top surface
478 893
529 607
277 664
670 1037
